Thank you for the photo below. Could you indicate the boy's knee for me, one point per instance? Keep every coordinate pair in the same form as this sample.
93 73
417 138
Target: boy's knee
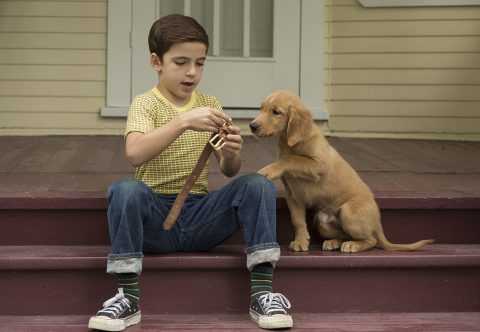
126 189
257 183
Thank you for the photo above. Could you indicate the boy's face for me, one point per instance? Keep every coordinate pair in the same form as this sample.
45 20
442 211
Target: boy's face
180 70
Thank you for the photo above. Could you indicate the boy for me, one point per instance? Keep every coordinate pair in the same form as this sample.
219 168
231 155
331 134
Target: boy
166 131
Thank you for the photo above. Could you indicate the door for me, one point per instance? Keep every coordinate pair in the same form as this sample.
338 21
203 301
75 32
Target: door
254 46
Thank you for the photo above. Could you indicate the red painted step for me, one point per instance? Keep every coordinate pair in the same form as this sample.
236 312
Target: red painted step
80 219
53 187
319 322
65 280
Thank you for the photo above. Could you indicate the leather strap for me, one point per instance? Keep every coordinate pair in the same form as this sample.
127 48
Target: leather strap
182 196
202 161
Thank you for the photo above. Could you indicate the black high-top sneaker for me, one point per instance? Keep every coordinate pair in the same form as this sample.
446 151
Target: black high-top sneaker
117 314
269 310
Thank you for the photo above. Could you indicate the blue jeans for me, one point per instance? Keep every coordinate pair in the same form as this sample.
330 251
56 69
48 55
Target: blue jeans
136 215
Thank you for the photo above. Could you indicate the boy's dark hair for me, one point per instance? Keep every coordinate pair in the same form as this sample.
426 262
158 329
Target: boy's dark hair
173 29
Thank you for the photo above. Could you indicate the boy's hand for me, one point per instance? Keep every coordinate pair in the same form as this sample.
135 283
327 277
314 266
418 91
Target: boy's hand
233 142
204 119
229 154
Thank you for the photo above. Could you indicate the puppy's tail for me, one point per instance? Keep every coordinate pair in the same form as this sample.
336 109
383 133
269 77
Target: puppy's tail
387 245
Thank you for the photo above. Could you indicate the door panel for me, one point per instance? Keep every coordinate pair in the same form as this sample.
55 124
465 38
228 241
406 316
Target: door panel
254 46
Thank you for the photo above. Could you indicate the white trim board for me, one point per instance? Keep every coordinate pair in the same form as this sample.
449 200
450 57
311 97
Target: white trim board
122 112
119 65
312 58
119 60
417 3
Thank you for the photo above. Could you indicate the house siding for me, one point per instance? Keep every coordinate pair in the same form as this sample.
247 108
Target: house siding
403 72
391 72
53 68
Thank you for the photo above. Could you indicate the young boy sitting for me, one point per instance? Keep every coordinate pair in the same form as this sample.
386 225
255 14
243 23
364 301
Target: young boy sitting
167 128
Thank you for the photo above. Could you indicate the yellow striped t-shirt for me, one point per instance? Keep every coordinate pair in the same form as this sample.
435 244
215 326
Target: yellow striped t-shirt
168 172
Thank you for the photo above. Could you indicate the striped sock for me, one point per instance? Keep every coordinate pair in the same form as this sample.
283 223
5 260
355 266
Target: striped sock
130 285
261 279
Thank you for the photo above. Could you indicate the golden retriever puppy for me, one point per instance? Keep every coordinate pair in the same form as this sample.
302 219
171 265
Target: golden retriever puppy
315 176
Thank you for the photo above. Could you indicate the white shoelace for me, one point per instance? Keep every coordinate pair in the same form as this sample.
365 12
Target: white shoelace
274 302
116 304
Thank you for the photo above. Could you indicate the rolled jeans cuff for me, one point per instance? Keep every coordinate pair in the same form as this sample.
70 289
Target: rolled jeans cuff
124 264
266 253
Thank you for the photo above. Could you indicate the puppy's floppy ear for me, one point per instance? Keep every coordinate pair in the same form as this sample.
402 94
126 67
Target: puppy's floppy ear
299 123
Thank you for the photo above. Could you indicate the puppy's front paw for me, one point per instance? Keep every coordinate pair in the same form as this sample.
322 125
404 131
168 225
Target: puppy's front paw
299 245
350 247
271 172
329 245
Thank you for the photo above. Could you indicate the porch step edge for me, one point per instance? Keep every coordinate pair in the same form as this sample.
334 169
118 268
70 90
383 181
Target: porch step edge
97 201
233 257
320 322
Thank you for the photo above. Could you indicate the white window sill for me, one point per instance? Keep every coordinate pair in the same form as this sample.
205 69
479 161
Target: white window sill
418 3
121 112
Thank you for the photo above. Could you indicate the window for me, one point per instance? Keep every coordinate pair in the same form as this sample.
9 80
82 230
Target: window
250 54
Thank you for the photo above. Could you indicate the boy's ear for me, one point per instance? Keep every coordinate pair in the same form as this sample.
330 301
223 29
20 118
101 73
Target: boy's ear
156 62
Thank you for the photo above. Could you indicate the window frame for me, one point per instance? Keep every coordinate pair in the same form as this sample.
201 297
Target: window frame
119 59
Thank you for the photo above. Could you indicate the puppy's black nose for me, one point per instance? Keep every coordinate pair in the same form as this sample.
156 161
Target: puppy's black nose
253 126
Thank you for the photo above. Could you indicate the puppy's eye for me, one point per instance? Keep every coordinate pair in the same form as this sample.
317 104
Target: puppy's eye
275 111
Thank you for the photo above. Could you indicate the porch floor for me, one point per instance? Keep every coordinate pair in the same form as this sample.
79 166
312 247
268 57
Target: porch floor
52 166
318 322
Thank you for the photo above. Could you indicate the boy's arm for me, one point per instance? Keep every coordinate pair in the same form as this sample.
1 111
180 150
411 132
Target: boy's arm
229 156
142 147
